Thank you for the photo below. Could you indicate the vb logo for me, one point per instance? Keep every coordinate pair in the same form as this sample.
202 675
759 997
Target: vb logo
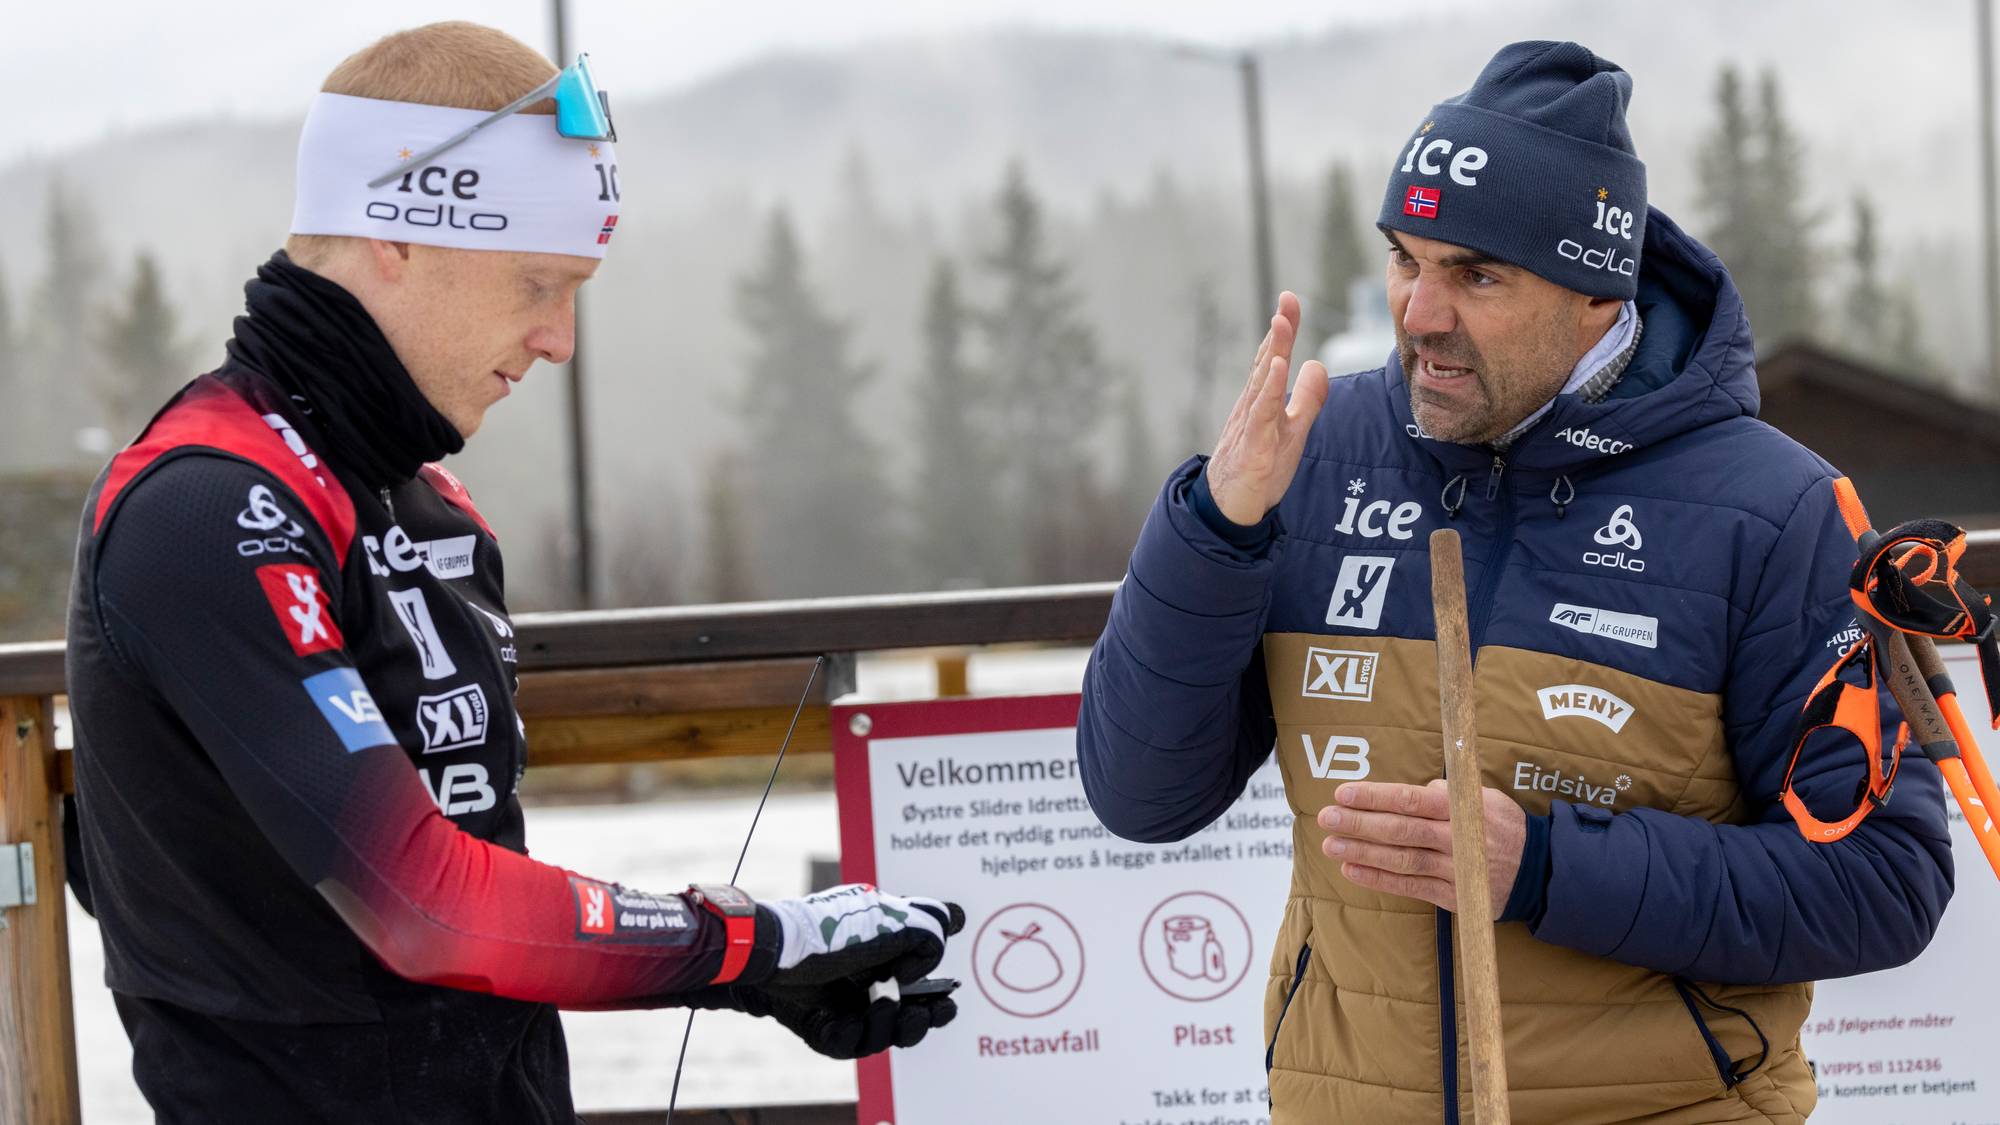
1343 758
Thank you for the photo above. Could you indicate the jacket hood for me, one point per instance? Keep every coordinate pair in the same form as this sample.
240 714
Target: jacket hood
1694 366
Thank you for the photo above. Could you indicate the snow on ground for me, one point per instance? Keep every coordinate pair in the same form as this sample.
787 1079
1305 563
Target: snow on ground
625 1060
619 1060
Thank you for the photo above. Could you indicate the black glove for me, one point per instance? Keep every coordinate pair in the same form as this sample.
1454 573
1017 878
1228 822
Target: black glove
836 1019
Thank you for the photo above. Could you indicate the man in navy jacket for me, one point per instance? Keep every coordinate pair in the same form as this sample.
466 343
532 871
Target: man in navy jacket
1655 579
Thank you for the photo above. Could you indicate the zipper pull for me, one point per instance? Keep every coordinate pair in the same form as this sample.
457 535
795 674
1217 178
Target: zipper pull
387 503
1493 478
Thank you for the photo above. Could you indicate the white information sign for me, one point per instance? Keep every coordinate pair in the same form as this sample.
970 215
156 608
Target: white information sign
1112 983
1102 981
1920 1045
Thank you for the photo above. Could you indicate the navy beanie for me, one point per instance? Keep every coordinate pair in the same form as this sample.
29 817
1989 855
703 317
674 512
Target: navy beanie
1534 166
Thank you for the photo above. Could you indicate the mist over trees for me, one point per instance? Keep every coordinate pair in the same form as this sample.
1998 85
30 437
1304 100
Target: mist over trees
903 367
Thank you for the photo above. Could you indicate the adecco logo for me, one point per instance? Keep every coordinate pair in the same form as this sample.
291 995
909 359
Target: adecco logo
1584 439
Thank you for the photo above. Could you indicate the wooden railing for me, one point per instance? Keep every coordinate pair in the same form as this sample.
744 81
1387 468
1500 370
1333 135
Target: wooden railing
602 687
615 687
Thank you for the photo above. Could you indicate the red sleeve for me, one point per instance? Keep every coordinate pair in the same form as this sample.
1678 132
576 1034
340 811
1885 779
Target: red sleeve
280 709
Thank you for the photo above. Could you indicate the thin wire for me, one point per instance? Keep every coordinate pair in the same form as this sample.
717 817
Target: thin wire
674 1097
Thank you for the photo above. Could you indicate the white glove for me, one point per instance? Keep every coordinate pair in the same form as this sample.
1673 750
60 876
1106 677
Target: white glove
855 932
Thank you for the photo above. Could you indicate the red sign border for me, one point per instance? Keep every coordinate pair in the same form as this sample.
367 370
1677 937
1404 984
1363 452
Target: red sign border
876 1103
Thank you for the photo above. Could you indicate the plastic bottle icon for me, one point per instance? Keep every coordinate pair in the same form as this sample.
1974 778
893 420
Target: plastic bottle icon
1193 950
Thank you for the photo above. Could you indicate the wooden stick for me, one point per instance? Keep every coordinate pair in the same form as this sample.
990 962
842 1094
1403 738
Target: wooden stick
1478 962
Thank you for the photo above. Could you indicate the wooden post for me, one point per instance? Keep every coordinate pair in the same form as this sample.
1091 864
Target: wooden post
951 675
37 1025
1478 961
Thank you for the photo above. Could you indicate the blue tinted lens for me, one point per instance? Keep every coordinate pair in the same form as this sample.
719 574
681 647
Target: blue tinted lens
580 111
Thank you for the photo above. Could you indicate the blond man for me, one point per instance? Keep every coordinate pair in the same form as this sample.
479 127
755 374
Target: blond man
292 669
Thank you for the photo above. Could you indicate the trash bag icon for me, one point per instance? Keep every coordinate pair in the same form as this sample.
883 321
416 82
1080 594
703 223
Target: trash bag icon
1027 963
1193 950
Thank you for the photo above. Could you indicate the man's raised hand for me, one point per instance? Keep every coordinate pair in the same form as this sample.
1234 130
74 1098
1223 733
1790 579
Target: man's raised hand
1258 453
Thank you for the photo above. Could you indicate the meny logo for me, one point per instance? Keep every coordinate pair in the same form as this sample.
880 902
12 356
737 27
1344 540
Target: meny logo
1343 758
302 608
1581 701
1631 628
1333 673
454 720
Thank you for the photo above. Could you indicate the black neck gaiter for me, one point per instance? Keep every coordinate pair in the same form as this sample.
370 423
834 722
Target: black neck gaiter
315 341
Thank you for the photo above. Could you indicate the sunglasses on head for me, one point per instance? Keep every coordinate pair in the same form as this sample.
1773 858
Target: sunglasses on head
582 111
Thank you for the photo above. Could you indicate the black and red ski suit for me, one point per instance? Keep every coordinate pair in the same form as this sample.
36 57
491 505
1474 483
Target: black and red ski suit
297 754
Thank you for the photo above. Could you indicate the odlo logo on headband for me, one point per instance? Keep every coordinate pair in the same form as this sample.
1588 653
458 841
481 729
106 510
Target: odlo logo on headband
438 182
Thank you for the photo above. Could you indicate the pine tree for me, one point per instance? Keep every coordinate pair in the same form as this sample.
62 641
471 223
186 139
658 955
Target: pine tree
144 358
1788 259
1206 335
1867 304
1342 260
9 360
1752 171
65 299
1140 471
1726 170
957 544
61 367
1045 367
817 501
726 576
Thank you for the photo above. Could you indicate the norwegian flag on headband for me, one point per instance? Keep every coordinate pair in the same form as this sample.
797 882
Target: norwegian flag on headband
1422 202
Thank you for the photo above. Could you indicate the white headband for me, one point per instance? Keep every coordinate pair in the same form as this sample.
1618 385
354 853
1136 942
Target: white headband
515 185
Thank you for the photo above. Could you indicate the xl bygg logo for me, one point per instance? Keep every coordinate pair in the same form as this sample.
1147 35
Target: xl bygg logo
454 720
1333 673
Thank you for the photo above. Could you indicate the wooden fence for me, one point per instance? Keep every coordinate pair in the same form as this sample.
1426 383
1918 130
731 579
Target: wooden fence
601 687
615 687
